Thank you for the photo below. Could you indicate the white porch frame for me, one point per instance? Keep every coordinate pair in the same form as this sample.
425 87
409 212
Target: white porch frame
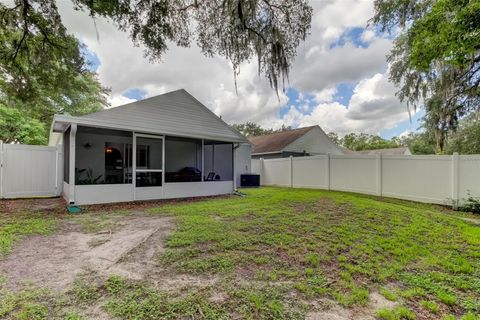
71 163
107 193
134 164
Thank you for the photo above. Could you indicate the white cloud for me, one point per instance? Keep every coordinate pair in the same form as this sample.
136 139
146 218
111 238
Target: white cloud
373 107
325 95
368 35
118 100
405 133
340 64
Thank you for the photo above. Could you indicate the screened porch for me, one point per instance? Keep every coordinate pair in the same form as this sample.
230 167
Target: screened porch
104 165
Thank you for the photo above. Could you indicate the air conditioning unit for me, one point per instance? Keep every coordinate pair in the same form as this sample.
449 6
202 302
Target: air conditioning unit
250 180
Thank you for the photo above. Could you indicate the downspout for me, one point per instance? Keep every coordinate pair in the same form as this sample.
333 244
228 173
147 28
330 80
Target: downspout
235 147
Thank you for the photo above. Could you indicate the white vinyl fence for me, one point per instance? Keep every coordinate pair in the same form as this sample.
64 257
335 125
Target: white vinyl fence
426 178
30 171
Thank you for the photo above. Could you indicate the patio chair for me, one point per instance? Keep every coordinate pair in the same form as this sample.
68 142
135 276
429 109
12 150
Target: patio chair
210 176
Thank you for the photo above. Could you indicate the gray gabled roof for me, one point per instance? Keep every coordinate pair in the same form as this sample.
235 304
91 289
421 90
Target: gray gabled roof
175 113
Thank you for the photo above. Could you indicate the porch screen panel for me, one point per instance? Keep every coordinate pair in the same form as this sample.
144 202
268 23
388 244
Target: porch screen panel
103 156
183 159
218 161
149 162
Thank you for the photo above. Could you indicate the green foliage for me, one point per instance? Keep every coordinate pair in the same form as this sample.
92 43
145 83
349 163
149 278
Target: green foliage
398 313
469 316
471 204
268 32
73 315
26 304
388 294
440 120
16 127
435 59
86 176
42 69
355 296
85 291
418 143
431 306
362 141
466 139
133 300
251 129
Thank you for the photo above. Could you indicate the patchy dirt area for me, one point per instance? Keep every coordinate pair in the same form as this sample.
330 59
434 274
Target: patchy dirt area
333 311
46 205
54 261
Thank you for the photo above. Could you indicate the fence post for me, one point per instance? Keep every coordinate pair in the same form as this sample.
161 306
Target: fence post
291 171
261 172
379 174
455 199
327 171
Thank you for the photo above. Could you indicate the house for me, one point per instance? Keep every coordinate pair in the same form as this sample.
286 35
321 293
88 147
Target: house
167 146
297 142
401 151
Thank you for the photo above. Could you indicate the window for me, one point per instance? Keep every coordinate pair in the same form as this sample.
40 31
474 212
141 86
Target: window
183 160
218 161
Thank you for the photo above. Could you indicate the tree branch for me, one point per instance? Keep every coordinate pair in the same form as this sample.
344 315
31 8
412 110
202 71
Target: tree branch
25 29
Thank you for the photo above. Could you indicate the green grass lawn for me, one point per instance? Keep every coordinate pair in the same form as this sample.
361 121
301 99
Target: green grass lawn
280 252
322 244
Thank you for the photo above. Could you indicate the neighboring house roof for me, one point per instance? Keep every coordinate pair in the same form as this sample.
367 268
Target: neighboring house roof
276 142
175 113
388 151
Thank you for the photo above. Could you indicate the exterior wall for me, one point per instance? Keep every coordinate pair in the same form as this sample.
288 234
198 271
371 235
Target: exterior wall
242 161
196 189
257 166
103 193
66 191
432 179
30 171
314 142
109 193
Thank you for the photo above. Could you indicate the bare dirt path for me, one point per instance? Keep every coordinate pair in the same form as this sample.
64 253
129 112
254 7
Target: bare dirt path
54 261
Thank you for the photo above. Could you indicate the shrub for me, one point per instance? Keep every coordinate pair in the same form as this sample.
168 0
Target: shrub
472 204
